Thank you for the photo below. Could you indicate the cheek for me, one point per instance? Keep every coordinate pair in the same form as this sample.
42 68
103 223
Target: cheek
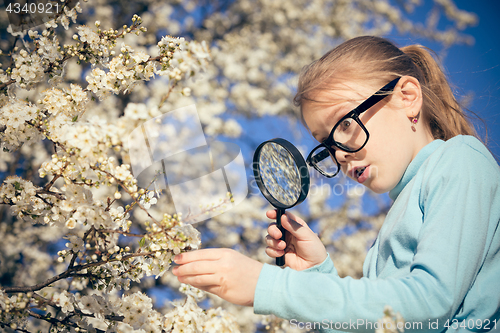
387 132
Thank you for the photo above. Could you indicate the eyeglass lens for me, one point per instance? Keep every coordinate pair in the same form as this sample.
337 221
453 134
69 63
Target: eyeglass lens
349 135
324 161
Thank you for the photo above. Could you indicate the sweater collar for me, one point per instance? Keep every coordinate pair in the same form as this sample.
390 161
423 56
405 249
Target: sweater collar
413 167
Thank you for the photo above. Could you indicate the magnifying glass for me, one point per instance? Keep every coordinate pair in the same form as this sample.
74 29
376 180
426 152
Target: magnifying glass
282 176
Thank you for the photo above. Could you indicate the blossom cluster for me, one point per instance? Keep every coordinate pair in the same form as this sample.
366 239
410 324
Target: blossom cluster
182 59
134 312
188 317
30 67
80 208
97 46
178 59
12 309
391 322
163 240
22 195
124 72
27 68
15 116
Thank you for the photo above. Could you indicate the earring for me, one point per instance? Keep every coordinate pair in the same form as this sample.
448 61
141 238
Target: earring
414 122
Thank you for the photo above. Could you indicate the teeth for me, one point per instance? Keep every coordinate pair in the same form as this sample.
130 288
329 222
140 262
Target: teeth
360 171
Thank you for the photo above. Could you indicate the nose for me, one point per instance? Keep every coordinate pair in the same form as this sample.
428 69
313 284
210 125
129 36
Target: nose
343 157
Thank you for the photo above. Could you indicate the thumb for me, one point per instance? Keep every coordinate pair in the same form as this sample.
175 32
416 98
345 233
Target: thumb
296 226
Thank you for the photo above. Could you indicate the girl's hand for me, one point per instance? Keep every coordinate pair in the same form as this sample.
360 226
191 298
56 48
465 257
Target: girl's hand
223 272
303 249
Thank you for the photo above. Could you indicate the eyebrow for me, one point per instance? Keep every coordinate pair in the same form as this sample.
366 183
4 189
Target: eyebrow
316 133
333 116
322 139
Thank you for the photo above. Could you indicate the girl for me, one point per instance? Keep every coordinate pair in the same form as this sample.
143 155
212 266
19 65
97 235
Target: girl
388 119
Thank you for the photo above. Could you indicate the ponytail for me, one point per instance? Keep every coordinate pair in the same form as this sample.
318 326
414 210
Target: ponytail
442 112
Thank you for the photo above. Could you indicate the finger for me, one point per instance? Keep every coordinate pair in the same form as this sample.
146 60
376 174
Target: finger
198 281
290 248
195 268
277 244
271 213
213 289
273 253
273 231
205 254
296 226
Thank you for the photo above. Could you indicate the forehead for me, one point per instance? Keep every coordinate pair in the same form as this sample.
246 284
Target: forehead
321 106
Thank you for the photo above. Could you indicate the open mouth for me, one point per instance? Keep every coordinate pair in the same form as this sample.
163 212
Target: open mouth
359 172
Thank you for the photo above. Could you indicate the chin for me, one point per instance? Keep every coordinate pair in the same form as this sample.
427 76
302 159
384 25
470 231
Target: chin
377 188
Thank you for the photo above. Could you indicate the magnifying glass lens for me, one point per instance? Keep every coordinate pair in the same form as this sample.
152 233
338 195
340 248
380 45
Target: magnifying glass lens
279 173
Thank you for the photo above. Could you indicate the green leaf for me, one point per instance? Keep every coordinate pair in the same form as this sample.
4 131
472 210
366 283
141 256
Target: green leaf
17 185
142 242
75 118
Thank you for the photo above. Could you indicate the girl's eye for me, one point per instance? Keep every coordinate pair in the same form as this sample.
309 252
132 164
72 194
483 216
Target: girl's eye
345 124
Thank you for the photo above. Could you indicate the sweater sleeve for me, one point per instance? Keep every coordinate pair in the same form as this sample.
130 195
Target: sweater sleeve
325 267
456 233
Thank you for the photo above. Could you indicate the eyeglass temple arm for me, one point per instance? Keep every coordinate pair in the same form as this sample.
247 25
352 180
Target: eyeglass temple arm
378 96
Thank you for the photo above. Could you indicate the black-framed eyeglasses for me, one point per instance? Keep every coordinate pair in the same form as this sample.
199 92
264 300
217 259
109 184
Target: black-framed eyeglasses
349 134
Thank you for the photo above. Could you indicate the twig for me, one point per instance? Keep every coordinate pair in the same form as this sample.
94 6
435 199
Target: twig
3 324
59 196
167 95
64 321
110 231
129 193
5 84
68 272
56 177
77 311
43 199
190 217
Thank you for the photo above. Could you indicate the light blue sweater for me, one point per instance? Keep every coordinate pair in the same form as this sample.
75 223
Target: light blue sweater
436 258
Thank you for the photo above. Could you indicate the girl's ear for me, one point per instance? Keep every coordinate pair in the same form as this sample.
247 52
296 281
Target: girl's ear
410 95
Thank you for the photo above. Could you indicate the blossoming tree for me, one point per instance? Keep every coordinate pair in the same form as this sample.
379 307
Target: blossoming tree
81 240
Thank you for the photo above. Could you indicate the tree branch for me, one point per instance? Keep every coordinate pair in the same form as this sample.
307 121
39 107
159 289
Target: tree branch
4 324
59 196
110 231
67 273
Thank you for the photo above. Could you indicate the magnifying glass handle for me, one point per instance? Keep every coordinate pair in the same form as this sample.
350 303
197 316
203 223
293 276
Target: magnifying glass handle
280 261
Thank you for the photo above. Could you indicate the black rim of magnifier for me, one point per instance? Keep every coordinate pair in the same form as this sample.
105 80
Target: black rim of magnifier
301 165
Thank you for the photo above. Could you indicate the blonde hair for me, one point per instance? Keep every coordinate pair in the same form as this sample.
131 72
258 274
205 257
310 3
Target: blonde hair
377 59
